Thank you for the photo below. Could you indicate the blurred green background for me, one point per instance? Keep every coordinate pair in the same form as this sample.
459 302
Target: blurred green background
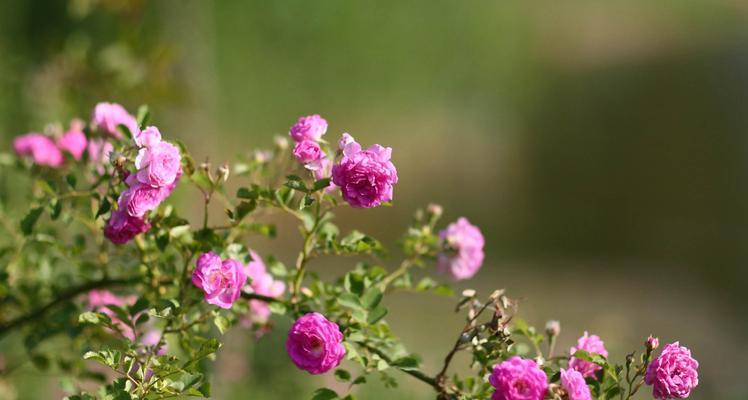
602 147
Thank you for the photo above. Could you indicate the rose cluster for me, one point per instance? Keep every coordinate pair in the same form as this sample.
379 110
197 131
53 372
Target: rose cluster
307 133
159 168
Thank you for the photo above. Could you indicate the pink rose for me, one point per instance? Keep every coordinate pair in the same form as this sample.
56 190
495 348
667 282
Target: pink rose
574 385
100 299
74 140
309 153
674 374
463 244
315 344
518 379
158 165
122 227
311 127
593 345
108 116
221 281
41 149
148 137
365 177
262 284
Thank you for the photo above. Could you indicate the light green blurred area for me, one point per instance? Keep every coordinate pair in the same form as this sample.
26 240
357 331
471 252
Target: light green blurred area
602 147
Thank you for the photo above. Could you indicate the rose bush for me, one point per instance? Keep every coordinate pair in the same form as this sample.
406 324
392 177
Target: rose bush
102 260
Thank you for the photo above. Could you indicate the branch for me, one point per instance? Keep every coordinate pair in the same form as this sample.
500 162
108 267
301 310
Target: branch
416 373
61 298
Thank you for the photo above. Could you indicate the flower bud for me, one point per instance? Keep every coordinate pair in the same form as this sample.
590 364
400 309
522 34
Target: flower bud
552 328
281 143
435 210
223 172
652 343
468 293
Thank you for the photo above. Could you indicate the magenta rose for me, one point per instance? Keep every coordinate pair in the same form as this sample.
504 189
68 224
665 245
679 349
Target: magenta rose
41 149
108 116
122 227
310 154
158 165
462 254
140 198
311 127
148 137
574 385
262 284
221 281
674 374
74 140
315 344
593 345
365 177
518 379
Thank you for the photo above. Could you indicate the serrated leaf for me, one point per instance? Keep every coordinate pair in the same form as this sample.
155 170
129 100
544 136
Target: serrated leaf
28 222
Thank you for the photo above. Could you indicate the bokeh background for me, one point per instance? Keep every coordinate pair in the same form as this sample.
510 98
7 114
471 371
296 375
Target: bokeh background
602 147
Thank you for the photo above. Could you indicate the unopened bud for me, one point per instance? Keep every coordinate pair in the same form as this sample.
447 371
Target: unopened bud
281 142
468 293
223 172
552 328
307 292
435 210
205 167
652 343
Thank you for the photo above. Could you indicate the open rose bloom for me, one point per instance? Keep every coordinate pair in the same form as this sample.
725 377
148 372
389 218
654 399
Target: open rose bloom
518 379
315 344
366 177
674 374
221 280
591 344
462 254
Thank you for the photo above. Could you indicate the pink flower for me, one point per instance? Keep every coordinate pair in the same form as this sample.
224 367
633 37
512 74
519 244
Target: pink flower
574 385
107 116
309 153
139 198
593 345
98 152
262 284
673 375
100 299
158 165
315 344
148 137
518 379
42 149
122 227
365 177
345 139
311 127
463 244
74 140
221 281
652 343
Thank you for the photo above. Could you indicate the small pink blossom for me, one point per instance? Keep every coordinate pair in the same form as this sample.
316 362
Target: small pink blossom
98 153
158 165
518 379
108 116
674 374
221 281
311 127
652 343
309 153
365 177
315 344
100 299
345 139
593 345
122 227
463 244
74 140
41 149
262 284
148 137
574 385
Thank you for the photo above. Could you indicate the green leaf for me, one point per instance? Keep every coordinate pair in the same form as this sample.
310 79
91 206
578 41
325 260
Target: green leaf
342 375
371 298
406 363
349 300
143 116
222 324
376 314
324 394
28 222
244 208
321 184
71 180
295 183
104 207
245 193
